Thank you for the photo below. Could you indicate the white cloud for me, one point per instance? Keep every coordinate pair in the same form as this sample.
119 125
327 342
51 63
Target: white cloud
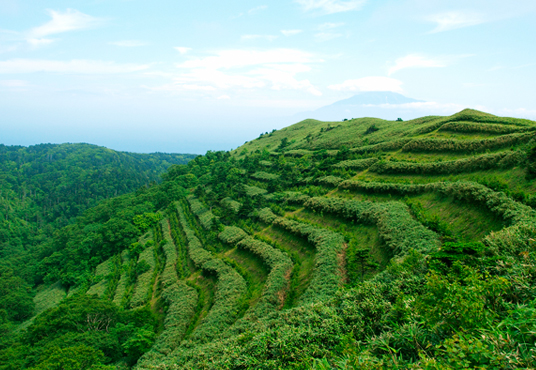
518 112
282 77
252 11
243 58
213 79
257 37
13 83
182 49
69 20
290 32
326 36
453 20
331 6
39 42
248 69
14 66
416 61
128 43
223 97
197 87
329 26
257 9
427 107
372 83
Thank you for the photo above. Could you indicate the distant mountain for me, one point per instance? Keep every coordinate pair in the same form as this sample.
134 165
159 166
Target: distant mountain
373 98
381 104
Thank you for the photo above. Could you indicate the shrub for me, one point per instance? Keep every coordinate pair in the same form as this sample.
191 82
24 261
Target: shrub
356 164
231 204
497 202
470 127
169 275
467 146
232 235
181 300
143 288
206 217
372 128
229 288
122 285
327 274
381 147
396 226
329 181
264 176
274 292
103 276
479 163
48 297
252 191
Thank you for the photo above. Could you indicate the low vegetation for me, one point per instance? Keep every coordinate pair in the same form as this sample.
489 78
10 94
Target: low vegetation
361 244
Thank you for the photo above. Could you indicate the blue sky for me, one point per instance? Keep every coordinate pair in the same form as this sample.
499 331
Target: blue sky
177 76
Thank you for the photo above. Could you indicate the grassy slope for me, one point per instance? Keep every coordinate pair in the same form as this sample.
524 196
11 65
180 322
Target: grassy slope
310 134
463 221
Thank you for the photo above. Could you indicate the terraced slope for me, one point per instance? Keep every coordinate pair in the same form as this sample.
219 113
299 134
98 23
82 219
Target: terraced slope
364 244
371 214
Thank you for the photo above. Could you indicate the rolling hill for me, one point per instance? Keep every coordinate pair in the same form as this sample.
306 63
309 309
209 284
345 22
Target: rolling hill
358 244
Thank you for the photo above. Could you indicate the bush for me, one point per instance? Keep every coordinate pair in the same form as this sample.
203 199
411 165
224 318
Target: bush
329 181
232 235
252 191
229 288
480 163
231 204
397 228
103 276
327 275
356 164
264 176
472 127
124 279
206 217
143 288
181 300
276 286
169 275
466 146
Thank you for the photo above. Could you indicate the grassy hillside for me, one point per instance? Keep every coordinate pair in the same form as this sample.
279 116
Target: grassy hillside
45 187
359 134
364 244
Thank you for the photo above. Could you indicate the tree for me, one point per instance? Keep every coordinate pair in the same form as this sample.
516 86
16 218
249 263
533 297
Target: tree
16 298
73 358
284 143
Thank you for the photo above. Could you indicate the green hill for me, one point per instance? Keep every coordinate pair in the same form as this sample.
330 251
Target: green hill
45 187
363 244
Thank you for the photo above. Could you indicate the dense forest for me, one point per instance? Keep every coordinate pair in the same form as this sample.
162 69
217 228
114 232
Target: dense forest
360 244
46 187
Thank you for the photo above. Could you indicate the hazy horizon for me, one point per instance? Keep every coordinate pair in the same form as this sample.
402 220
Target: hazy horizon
192 77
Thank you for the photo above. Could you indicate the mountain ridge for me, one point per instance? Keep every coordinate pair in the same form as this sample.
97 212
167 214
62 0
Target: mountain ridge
378 104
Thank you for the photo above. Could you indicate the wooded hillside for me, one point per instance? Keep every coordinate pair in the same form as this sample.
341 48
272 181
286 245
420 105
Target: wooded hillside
363 244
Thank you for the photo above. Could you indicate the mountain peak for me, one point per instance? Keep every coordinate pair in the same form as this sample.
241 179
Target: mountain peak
376 98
